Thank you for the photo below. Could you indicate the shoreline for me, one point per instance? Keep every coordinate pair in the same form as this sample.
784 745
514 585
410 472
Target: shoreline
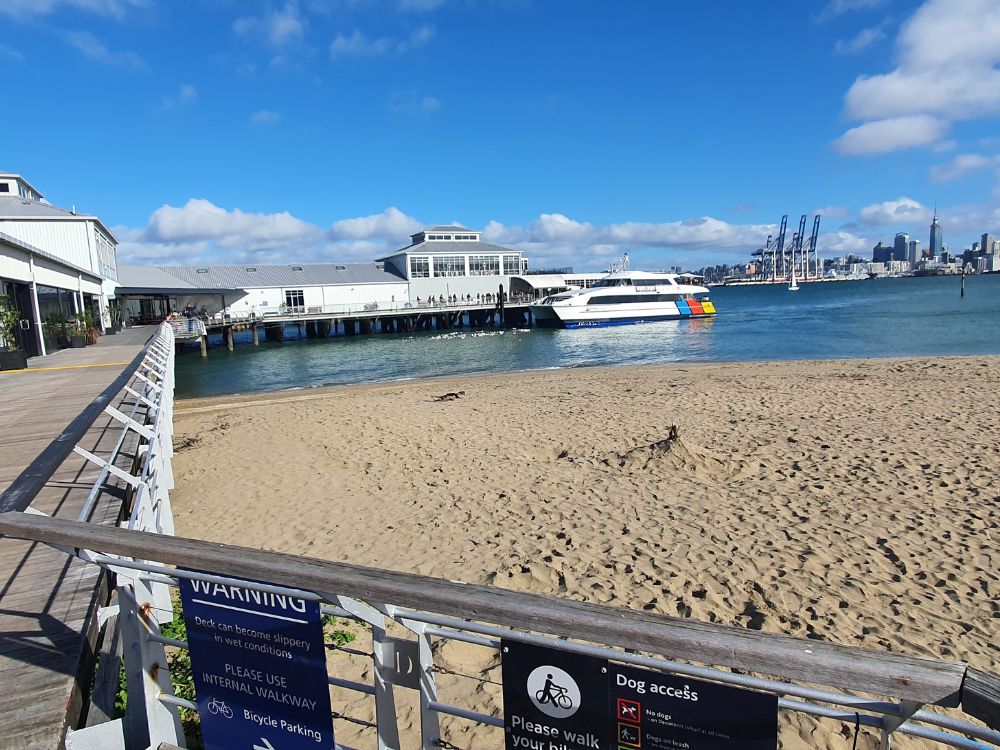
201 404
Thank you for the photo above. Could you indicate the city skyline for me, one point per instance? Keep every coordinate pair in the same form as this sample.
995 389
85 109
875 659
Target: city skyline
333 130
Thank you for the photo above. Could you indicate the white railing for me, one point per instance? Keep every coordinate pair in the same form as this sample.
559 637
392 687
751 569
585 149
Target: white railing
883 691
187 328
263 314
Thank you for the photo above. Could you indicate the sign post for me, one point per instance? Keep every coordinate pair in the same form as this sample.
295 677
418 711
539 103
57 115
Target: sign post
656 711
553 700
558 700
259 668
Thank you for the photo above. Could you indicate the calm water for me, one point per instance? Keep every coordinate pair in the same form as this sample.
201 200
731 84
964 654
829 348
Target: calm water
879 318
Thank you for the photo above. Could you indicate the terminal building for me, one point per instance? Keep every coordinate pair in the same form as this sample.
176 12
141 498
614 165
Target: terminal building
440 263
55 264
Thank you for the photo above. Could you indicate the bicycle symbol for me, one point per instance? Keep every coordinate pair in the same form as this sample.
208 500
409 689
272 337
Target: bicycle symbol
216 706
554 694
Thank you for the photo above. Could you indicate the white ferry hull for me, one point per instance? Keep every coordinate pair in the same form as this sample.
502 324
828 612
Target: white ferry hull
549 316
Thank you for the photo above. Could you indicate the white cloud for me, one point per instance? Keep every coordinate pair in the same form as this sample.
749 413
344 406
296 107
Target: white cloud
861 41
962 165
556 239
420 6
201 232
892 134
357 44
947 54
278 28
10 53
391 223
832 212
201 220
265 117
842 243
22 9
94 49
186 95
836 8
901 211
412 104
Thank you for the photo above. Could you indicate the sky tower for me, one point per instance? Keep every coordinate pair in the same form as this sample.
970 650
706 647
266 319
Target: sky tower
935 245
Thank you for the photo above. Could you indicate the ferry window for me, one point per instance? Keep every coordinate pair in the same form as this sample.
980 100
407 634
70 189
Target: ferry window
420 268
511 265
295 299
484 265
449 265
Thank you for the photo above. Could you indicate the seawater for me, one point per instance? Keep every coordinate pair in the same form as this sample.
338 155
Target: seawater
875 318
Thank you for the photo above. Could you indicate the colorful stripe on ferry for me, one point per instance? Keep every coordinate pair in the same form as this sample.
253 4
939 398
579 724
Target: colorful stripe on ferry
686 308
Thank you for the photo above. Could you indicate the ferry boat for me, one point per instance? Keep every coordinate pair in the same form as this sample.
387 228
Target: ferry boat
625 297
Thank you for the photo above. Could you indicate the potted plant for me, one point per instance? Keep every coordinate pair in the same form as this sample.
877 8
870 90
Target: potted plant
11 356
54 332
77 333
89 327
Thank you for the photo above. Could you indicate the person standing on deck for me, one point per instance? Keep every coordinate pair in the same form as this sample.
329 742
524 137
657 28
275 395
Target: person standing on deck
189 313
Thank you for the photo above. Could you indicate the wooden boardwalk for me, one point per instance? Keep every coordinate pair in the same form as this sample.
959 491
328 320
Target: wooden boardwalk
48 601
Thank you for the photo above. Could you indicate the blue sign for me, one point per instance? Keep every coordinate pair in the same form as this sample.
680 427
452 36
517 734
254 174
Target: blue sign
259 668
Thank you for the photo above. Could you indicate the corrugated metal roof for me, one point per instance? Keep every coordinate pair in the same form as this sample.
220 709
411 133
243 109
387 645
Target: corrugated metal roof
315 274
14 207
447 228
455 247
149 277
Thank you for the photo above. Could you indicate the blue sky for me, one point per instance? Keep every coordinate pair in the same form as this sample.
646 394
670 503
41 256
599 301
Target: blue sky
306 130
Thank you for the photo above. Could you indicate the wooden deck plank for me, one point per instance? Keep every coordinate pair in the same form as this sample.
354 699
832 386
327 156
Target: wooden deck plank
48 600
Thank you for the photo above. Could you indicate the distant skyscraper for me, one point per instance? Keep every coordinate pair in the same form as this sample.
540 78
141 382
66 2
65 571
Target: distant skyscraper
913 252
900 246
881 253
987 245
935 245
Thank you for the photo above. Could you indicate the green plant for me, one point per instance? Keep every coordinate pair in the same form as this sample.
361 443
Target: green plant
182 676
10 318
336 636
54 327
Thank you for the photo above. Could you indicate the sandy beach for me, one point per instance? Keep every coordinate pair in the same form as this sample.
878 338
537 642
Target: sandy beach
851 501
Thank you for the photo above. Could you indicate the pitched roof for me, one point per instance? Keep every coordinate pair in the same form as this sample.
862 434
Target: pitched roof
455 247
14 207
447 228
315 274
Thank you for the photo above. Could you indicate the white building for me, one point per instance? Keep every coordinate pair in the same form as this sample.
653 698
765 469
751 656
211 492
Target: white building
440 262
54 263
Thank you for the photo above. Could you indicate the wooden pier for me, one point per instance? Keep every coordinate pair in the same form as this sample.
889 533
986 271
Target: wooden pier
319 324
48 601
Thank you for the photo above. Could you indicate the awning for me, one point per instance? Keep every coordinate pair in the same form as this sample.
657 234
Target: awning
544 281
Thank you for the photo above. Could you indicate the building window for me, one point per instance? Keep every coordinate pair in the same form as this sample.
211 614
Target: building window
484 265
420 268
250 269
202 270
449 265
4 187
511 265
295 300
296 268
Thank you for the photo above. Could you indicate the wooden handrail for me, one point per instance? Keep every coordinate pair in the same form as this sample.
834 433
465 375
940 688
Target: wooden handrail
928 681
